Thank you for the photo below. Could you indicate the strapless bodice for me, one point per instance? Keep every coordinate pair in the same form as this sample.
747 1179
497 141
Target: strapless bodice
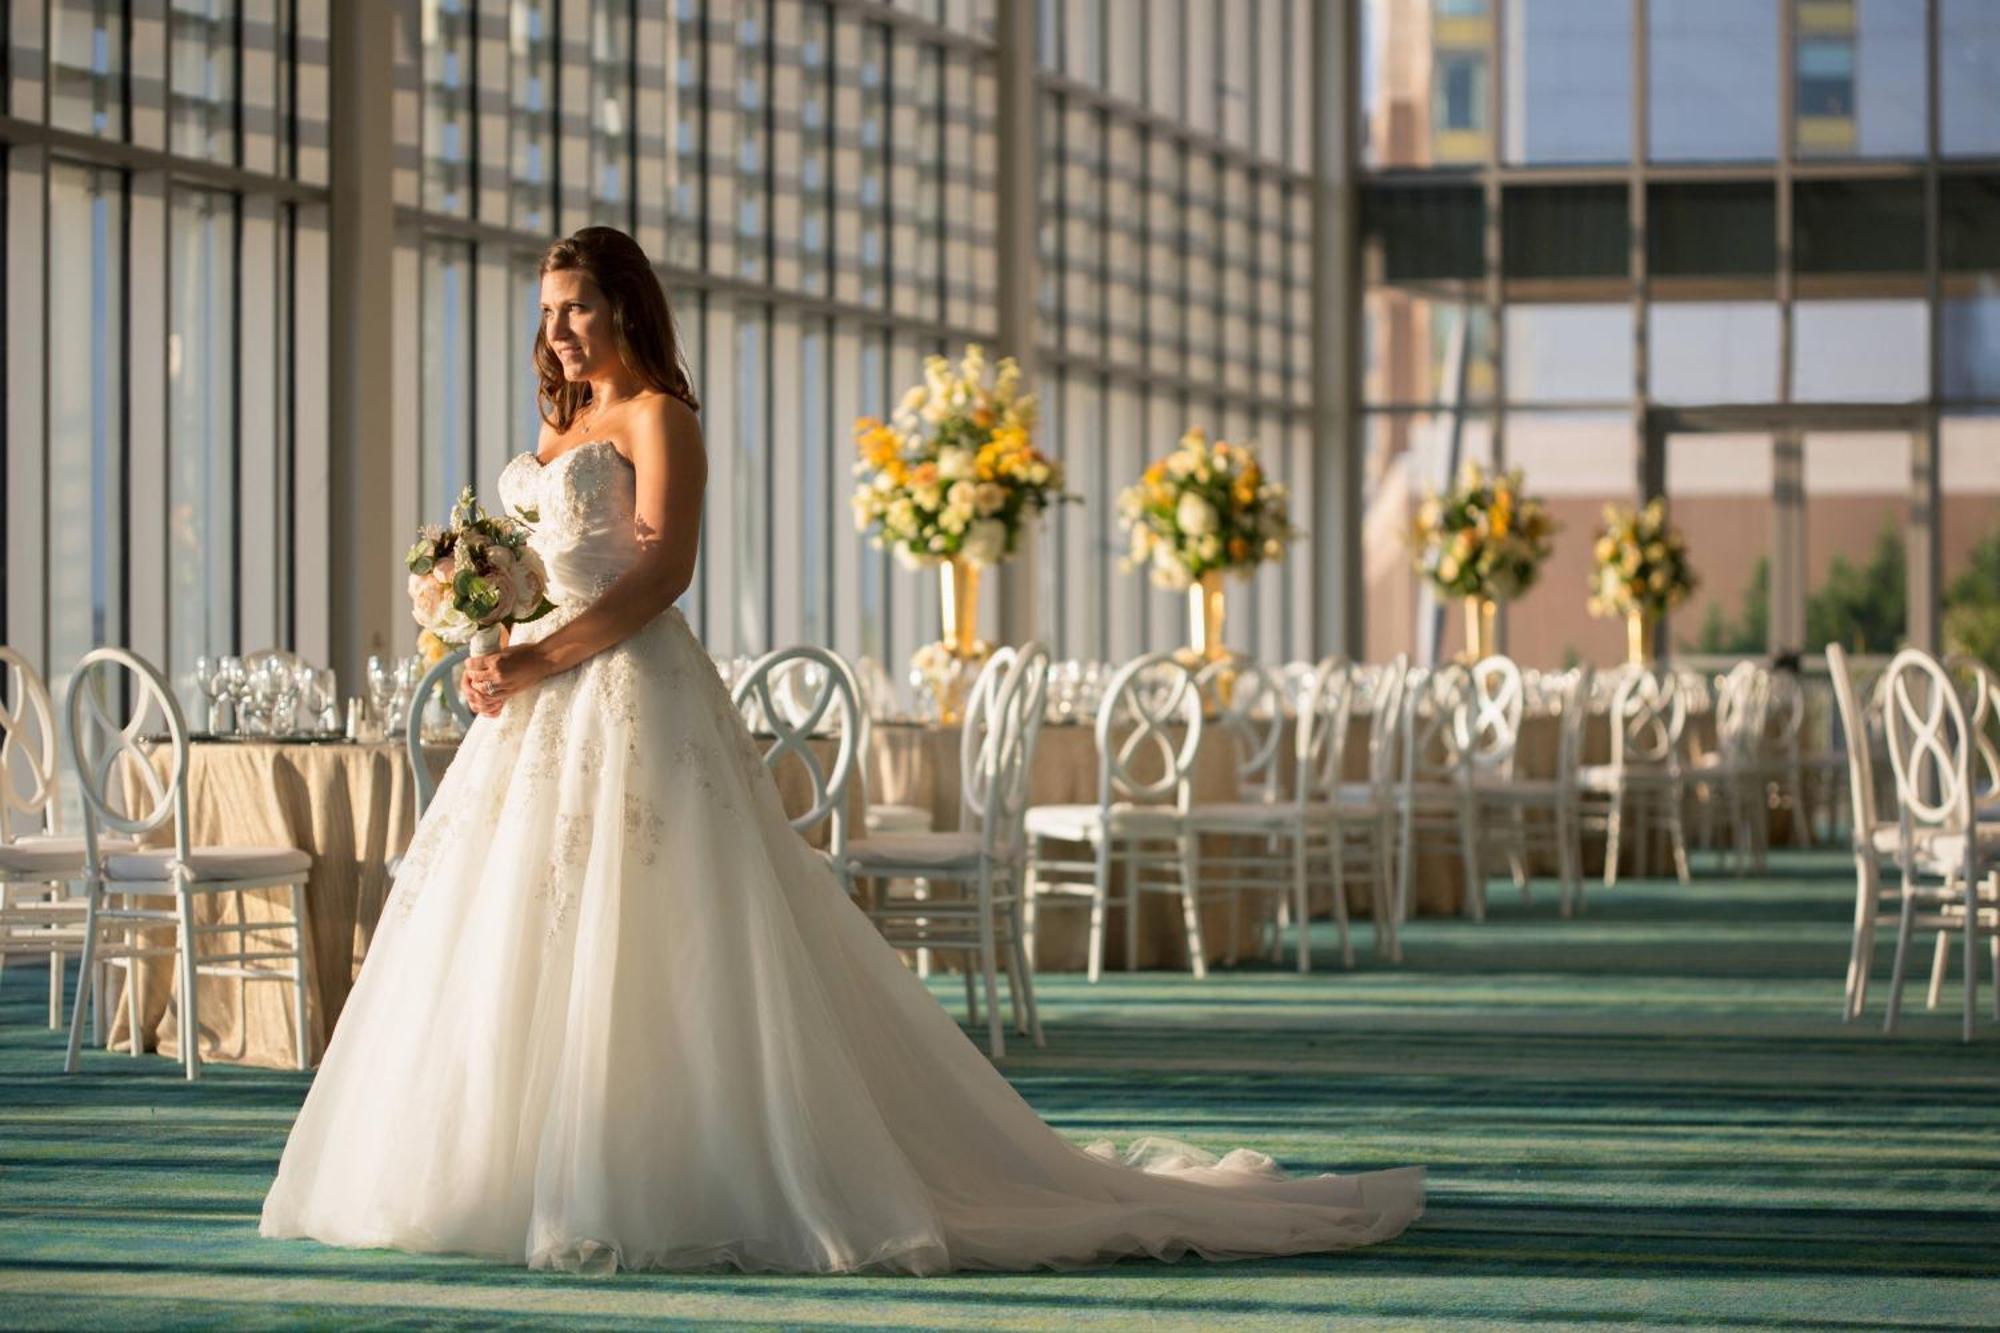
583 502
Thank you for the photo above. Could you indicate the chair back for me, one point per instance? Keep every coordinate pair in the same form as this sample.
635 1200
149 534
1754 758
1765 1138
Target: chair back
443 672
29 751
1146 697
1573 717
1488 726
1930 749
1435 709
1859 728
1325 713
1015 714
1783 715
1385 723
1983 686
1248 702
98 744
1739 720
793 712
1648 717
981 735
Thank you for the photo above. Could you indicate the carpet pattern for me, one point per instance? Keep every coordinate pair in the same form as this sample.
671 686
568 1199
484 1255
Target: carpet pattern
1648 1117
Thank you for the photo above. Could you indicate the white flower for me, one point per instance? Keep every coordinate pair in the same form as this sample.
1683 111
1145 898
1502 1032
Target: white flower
1039 474
428 598
985 542
1179 465
928 497
912 400
908 559
989 497
954 464
954 519
962 495
1194 515
1209 548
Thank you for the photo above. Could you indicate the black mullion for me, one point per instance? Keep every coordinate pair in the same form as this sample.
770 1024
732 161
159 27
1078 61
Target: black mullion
235 406
770 147
236 83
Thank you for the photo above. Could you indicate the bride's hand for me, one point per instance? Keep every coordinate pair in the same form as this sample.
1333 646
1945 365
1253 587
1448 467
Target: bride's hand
489 681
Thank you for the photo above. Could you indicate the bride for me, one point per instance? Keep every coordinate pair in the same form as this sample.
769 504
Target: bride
618 1014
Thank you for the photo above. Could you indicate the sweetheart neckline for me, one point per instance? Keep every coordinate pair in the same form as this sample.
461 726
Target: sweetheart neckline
540 466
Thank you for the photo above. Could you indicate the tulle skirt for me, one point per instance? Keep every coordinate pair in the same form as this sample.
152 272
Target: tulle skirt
619 1015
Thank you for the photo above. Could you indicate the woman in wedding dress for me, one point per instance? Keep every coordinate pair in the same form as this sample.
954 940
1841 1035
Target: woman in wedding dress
617 1014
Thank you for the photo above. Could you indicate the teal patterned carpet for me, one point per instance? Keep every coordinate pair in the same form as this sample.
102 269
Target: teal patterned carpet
1651 1116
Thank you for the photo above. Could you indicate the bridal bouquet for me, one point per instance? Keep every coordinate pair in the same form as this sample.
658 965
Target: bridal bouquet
1641 563
1205 509
954 473
476 574
1484 538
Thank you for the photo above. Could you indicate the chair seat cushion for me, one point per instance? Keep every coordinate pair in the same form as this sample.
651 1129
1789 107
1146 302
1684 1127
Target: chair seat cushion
1941 851
899 819
1080 823
1256 814
1608 777
913 849
1528 791
53 854
210 863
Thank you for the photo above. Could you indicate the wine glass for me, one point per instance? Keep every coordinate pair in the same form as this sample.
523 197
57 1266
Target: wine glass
381 688
233 685
208 679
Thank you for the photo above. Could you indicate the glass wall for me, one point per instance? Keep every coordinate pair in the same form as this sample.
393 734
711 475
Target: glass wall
164 342
1662 215
1176 257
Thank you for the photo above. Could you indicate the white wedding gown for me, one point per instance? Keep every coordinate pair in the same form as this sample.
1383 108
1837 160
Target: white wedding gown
617 1014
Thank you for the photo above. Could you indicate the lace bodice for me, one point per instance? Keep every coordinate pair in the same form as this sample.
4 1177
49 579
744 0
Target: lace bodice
584 503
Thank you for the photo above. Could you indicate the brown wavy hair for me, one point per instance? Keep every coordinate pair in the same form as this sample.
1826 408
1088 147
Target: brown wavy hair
648 342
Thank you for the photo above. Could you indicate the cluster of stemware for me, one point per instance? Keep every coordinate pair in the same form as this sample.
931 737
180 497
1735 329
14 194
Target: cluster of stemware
267 694
392 687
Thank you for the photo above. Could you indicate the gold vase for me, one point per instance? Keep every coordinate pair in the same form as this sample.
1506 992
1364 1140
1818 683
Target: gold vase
958 603
1208 605
1639 626
1479 637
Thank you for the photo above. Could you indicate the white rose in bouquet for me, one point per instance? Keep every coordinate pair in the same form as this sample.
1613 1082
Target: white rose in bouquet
1195 515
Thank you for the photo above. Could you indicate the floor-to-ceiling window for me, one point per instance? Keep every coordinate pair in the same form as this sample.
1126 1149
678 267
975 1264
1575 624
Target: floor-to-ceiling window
1176 257
164 344
1708 249
814 181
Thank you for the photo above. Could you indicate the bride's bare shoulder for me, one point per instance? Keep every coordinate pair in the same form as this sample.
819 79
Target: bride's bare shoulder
664 422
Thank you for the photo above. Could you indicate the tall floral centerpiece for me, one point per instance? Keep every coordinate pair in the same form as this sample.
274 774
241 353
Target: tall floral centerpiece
1641 572
474 575
1205 510
952 480
1484 542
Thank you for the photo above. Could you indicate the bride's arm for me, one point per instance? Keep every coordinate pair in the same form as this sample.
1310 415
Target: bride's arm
670 472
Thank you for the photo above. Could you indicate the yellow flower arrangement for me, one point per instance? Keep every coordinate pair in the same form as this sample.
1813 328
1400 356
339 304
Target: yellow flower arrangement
1485 538
1206 507
954 472
1640 563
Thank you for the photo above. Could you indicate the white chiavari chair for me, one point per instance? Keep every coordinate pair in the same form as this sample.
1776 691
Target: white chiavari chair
1368 809
124 889
1270 838
795 694
1555 802
1643 783
1489 735
1139 823
1434 797
1873 841
986 855
1734 779
40 915
444 672
1950 862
